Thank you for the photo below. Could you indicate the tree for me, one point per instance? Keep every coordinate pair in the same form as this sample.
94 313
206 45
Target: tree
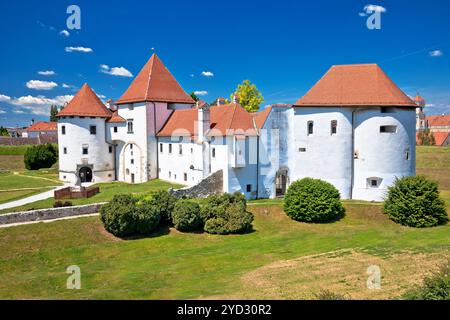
53 112
426 138
194 96
3 132
40 156
249 96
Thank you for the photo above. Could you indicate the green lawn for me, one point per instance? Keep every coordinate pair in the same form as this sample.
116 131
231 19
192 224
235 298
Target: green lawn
280 259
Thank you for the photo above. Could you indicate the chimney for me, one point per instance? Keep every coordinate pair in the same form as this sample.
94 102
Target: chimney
235 98
221 101
203 122
32 121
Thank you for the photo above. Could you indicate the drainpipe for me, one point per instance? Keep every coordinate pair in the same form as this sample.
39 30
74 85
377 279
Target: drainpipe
154 132
353 154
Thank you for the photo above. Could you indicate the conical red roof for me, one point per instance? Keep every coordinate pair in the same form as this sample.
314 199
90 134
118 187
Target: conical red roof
86 104
355 85
155 83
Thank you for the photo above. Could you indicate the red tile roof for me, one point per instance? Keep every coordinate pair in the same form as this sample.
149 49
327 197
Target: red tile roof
225 120
440 137
43 126
355 85
85 103
155 83
261 117
438 121
116 118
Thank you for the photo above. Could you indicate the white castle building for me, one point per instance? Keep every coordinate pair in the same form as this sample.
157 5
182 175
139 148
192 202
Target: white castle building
355 129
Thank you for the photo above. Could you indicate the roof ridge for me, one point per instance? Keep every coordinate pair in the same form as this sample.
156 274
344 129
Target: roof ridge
152 58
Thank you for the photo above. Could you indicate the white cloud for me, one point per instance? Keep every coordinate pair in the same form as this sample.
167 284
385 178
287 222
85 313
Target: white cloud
78 49
65 33
115 71
2 111
201 93
374 8
38 105
207 74
191 75
436 53
41 85
4 98
47 73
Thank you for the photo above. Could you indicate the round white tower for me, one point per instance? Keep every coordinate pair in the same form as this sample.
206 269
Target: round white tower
84 154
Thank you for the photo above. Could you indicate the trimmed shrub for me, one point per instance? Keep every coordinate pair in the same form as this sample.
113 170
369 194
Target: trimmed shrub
123 216
67 204
40 156
434 287
415 202
164 202
226 214
58 204
313 200
186 216
147 217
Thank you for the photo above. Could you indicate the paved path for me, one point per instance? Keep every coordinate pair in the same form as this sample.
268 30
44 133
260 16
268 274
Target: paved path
36 197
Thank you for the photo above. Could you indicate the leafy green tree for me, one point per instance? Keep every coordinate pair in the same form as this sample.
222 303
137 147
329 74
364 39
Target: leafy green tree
40 156
426 138
194 96
3 131
53 112
249 96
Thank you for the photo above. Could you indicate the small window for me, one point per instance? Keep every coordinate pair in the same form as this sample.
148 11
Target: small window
161 147
85 150
310 127
356 155
407 155
130 125
65 150
180 149
132 161
333 126
115 129
170 148
388 129
131 146
213 152
110 149
63 129
374 183
93 129
249 188
185 177
387 110
192 150
170 174
302 149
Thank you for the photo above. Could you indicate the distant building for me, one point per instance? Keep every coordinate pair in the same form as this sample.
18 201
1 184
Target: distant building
15 132
355 129
41 129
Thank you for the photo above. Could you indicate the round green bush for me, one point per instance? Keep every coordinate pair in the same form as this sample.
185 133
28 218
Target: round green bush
186 216
434 287
227 213
164 202
40 156
415 202
123 216
313 200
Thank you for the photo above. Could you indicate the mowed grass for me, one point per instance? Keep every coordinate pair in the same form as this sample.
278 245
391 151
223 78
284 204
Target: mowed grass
8 196
280 259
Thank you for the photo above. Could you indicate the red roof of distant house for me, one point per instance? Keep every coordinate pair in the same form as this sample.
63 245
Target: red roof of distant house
116 118
43 126
355 85
230 119
438 121
440 137
155 83
85 103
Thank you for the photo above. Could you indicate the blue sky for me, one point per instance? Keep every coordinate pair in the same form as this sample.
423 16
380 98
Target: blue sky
284 47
